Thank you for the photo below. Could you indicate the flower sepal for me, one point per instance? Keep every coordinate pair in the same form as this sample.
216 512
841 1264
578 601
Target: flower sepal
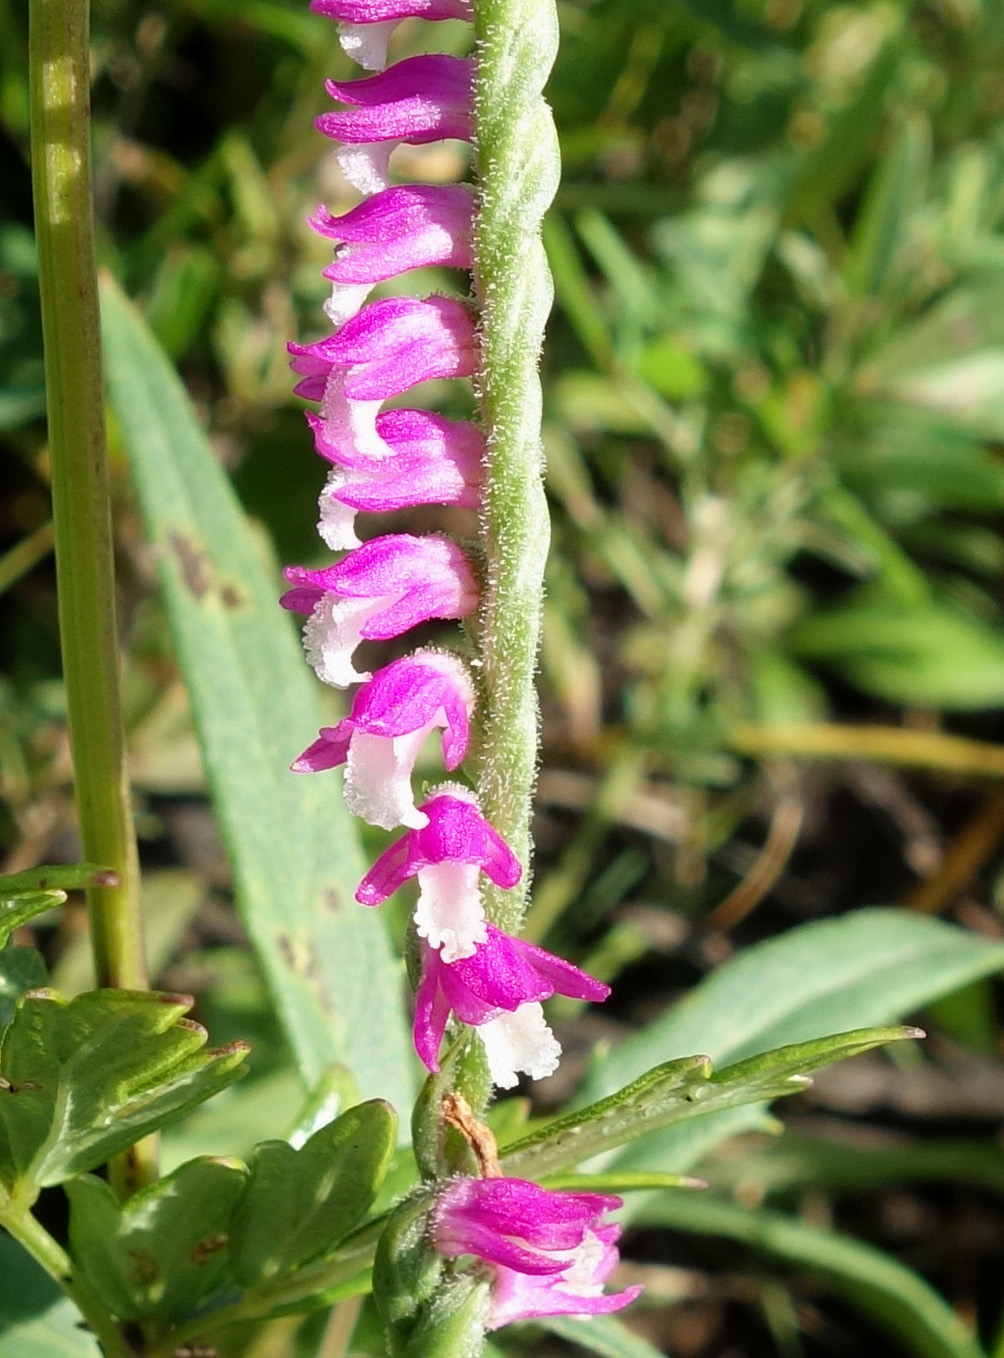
426 1314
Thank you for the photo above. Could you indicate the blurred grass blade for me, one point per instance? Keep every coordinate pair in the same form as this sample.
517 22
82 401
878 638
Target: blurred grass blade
295 857
899 1301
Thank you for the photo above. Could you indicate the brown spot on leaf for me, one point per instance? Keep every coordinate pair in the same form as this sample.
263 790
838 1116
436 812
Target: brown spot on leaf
193 562
332 901
232 597
205 1249
145 1270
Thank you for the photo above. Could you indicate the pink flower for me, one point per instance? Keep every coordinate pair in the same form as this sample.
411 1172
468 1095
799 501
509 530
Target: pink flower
446 855
547 1253
380 590
388 347
498 989
409 227
418 100
433 461
366 25
380 739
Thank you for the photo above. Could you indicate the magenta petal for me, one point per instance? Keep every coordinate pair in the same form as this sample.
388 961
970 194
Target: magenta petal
515 1296
408 694
432 1011
380 11
409 227
396 343
330 749
561 975
301 599
418 100
390 872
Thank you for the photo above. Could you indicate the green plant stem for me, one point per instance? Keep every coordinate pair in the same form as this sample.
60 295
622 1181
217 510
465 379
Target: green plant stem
60 143
518 166
53 1258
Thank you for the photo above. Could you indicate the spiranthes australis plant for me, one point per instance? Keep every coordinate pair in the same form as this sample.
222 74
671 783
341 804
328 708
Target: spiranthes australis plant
538 1252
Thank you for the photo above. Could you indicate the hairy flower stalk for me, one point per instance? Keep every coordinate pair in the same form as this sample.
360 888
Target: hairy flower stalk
467 846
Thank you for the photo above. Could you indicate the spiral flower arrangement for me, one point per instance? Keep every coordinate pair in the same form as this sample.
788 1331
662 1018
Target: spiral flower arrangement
468 842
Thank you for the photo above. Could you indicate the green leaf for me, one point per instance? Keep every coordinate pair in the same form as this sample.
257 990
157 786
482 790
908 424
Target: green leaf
676 1091
300 1203
931 653
604 1335
85 1078
872 965
899 1301
164 1252
23 895
21 969
294 852
36 1320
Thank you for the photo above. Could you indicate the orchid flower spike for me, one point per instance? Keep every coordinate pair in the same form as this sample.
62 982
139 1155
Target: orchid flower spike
498 990
409 227
547 1253
380 590
446 855
380 739
434 461
366 25
418 100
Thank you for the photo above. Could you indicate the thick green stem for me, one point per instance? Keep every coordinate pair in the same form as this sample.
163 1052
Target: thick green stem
53 1258
60 138
518 167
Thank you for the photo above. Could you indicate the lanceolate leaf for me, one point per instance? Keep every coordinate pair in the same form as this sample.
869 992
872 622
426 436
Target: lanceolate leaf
83 1079
294 853
676 1091
300 1203
164 1252
873 965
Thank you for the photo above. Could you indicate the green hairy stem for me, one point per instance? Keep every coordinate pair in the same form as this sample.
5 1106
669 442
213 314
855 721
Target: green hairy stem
519 167
61 164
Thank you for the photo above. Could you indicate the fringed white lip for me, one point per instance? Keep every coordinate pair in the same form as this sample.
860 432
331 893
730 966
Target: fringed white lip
449 913
345 301
366 165
336 524
517 1042
332 633
367 43
378 778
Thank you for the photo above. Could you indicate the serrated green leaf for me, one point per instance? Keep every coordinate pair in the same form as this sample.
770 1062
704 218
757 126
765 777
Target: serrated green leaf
300 1203
161 1254
21 969
295 856
898 1300
875 965
23 895
677 1091
85 1078
18 910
